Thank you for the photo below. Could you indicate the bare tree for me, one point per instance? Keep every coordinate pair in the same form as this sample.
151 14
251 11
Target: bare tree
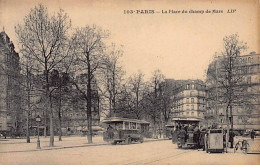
44 38
28 86
112 74
152 100
89 53
166 103
228 77
59 83
137 86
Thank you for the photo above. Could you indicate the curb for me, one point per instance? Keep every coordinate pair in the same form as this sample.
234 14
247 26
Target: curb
76 146
55 148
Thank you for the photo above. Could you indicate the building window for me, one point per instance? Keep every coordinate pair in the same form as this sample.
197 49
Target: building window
250 60
187 113
188 107
192 113
192 100
192 93
249 69
192 107
192 86
188 86
187 100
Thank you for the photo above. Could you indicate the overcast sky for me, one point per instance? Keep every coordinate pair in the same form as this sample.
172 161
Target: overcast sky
181 45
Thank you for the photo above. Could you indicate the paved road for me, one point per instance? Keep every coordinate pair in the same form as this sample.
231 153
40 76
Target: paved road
148 153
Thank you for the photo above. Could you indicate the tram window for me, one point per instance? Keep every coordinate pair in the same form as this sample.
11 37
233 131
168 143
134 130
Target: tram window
133 125
138 126
126 125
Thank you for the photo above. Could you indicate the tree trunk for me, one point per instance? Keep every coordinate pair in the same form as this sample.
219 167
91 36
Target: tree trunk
154 128
45 125
89 102
227 122
59 115
51 131
27 128
28 105
51 125
27 119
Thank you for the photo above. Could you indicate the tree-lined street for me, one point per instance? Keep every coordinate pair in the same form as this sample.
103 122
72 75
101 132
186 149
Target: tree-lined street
81 86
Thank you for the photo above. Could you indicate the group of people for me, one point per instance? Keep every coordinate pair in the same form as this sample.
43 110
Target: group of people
198 135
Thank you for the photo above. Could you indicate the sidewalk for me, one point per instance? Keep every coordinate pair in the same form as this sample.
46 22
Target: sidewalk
20 145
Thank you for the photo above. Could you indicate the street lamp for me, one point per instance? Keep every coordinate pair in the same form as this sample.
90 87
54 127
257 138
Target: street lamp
38 120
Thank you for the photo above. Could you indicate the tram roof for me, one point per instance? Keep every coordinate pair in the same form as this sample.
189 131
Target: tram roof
185 119
119 119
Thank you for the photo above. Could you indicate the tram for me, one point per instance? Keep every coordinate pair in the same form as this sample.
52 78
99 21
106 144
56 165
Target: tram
125 130
186 134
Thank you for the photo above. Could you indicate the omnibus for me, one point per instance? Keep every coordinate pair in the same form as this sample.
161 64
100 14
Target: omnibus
125 130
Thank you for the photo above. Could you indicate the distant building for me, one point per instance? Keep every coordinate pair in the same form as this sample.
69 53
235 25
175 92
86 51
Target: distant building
189 102
75 109
245 116
10 100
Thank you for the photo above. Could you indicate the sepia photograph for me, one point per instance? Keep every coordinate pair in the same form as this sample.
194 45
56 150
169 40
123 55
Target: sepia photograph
129 82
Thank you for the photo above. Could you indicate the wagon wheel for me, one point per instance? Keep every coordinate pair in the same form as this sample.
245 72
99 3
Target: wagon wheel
245 148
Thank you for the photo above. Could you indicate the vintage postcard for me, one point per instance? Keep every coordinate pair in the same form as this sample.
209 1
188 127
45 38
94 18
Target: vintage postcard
129 82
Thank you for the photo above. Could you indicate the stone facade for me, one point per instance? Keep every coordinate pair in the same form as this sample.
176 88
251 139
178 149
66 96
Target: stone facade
245 116
10 100
189 102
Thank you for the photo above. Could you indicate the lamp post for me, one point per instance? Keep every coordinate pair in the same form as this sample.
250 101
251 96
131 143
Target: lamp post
221 120
38 120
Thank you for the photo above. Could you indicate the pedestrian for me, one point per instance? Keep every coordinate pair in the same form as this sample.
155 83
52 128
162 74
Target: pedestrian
231 138
202 138
196 136
252 134
110 132
182 135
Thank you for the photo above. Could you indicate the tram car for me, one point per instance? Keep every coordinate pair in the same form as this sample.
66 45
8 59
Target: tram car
186 134
124 130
